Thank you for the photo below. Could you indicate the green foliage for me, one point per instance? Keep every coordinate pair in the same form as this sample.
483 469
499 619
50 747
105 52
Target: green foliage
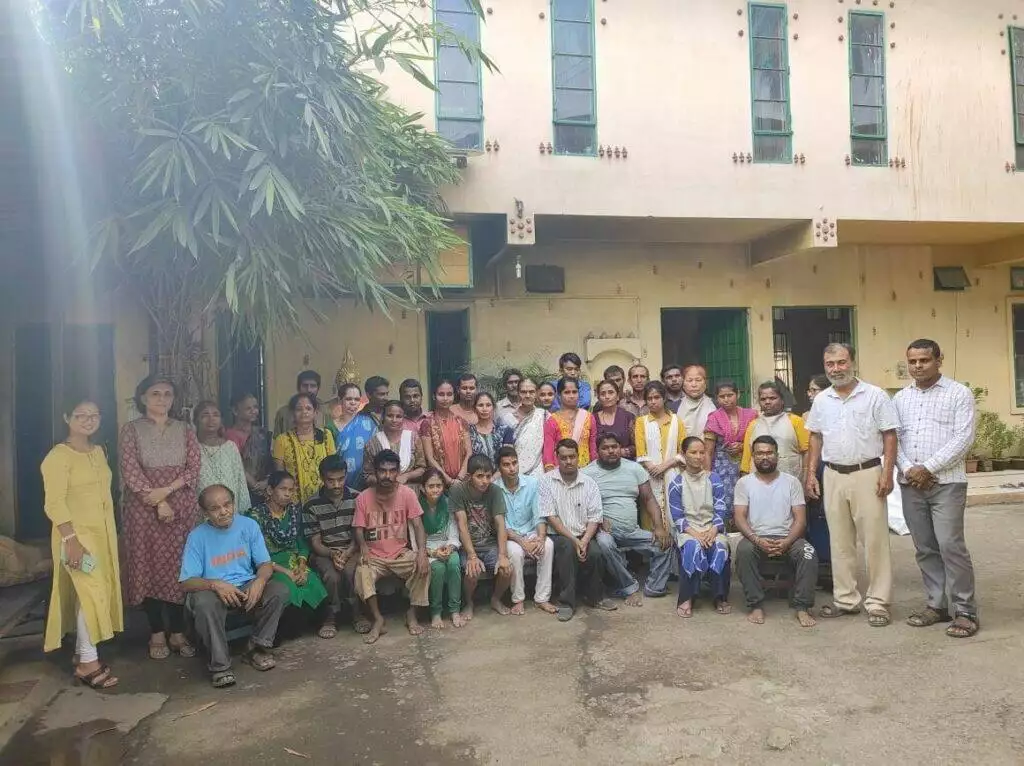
488 372
993 437
249 160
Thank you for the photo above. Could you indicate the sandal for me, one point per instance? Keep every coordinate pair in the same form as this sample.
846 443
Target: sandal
879 619
260 659
964 626
183 649
99 679
928 616
327 630
159 651
831 610
222 678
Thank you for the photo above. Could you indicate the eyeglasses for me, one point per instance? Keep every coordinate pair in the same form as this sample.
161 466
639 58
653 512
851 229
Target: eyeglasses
84 417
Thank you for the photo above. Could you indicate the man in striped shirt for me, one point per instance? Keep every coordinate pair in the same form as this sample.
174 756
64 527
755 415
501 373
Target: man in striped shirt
571 504
327 523
936 432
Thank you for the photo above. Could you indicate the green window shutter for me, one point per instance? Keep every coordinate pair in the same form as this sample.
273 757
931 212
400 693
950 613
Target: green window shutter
458 100
869 140
769 84
1017 82
573 73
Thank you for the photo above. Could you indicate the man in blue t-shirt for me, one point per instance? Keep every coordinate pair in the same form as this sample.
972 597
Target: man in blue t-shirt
225 566
570 366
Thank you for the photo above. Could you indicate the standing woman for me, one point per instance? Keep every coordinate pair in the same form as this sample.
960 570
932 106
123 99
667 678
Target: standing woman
488 435
546 393
612 419
786 428
445 436
659 435
570 422
221 463
160 462
300 450
351 430
280 520
527 424
86 593
253 442
817 384
405 442
723 436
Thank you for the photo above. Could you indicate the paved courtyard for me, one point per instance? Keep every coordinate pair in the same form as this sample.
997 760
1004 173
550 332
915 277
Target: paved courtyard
635 686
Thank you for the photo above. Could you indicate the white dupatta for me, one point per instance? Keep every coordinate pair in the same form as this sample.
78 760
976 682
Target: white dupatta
405 450
656 454
529 441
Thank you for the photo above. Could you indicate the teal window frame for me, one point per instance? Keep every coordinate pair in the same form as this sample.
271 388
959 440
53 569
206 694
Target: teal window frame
857 139
1016 38
441 117
556 56
763 137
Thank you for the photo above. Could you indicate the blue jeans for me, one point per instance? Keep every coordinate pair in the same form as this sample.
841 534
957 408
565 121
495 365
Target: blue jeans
642 541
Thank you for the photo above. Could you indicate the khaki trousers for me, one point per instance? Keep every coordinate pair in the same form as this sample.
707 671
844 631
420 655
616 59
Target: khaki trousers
403 567
854 510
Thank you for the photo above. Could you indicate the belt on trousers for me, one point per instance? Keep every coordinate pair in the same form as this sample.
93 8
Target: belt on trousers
854 468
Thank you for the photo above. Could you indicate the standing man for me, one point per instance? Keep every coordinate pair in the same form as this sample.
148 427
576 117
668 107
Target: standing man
410 393
616 375
466 393
378 393
384 514
308 382
479 509
638 376
570 366
672 379
936 431
853 430
695 406
327 524
571 503
771 515
623 484
527 532
508 404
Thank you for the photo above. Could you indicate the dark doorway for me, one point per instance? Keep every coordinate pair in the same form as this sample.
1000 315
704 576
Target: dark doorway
715 338
447 344
800 335
43 380
241 370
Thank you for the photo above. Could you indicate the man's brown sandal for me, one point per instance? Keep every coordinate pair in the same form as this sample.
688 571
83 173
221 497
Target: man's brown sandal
928 616
964 626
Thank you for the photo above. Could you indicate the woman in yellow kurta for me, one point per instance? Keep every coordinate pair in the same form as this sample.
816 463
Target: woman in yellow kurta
300 450
86 595
658 436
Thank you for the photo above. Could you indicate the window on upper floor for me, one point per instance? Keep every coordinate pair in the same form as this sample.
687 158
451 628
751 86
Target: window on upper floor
459 99
769 84
1017 70
869 143
573 75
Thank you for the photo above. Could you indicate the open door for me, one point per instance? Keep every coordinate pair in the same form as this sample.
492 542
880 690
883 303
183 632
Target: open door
447 345
714 338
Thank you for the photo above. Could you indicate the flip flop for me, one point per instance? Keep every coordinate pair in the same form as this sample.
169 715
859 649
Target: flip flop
831 611
92 680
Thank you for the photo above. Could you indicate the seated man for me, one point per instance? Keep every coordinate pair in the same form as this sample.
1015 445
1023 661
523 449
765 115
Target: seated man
327 522
381 524
479 509
526 531
225 566
771 516
622 483
571 504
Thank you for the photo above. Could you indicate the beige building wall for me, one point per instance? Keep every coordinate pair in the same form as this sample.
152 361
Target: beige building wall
621 289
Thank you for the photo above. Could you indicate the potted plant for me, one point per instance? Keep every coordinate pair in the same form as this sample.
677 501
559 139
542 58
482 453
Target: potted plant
993 438
973 459
1017 462
1001 439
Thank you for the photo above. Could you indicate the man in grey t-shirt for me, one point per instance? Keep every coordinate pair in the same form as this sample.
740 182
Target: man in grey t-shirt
771 515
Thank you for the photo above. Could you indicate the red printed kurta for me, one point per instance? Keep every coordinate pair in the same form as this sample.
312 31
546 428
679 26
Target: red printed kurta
151 459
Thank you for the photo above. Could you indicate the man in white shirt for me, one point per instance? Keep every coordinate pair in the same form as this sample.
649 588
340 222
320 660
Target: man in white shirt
771 514
936 431
853 431
571 504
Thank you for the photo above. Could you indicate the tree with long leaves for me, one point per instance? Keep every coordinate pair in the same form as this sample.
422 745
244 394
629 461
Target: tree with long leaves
249 160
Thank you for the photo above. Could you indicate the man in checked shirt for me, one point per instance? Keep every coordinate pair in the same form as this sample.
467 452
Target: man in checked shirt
936 431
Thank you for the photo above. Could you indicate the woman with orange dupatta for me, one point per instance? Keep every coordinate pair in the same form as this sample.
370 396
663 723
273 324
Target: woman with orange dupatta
445 436
570 422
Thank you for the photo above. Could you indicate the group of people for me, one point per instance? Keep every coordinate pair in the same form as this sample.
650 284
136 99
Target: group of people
607 490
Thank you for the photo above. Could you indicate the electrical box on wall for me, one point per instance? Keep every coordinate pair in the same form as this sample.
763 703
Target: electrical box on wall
545 279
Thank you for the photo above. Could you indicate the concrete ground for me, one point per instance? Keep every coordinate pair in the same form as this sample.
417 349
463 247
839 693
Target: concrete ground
634 686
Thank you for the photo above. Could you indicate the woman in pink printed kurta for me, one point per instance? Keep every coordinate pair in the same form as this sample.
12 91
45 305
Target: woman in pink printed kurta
160 462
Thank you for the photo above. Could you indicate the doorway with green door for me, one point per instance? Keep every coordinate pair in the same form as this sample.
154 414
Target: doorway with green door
715 338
